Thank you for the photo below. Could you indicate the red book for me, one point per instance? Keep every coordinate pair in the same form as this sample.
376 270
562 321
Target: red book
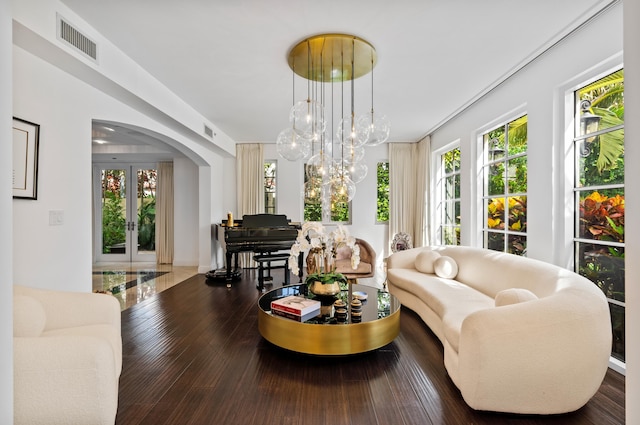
296 304
295 316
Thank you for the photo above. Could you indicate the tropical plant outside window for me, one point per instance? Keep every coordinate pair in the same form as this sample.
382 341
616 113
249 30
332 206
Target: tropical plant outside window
270 187
339 212
505 187
599 194
114 209
448 198
382 212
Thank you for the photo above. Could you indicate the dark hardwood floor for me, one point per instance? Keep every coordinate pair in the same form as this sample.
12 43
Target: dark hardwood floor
193 355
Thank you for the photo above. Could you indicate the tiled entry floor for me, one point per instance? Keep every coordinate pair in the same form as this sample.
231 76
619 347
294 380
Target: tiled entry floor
132 283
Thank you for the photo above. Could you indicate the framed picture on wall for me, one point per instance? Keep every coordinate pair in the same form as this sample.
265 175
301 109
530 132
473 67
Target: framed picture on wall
26 137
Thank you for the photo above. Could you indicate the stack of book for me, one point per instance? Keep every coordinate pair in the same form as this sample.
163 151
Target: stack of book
296 307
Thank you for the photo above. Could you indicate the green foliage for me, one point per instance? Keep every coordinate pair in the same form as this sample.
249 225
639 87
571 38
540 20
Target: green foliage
113 222
340 212
383 192
326 278
312 212
147 224
606 99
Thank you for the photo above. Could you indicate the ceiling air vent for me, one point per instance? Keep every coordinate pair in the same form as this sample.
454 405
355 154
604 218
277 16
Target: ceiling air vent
78 40
208 131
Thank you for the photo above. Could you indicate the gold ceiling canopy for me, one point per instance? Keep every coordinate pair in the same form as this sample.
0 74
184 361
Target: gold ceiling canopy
332 57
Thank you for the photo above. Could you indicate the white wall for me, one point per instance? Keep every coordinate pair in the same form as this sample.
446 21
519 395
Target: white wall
632 205
6 220
537 91
49 97
65 114
185 181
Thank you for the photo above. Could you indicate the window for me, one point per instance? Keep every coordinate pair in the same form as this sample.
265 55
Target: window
599 194
382 212
270 187
504 173
335 211
448 198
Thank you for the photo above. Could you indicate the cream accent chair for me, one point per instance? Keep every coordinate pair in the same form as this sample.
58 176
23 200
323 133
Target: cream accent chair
67 350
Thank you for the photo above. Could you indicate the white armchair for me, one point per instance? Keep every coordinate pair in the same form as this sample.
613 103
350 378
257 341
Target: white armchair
67 350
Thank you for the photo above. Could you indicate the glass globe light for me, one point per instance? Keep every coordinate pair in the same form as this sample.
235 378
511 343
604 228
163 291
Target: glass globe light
312 191
358 171
379 127
307 117
316 166
342 189
350 134
291 146
355 155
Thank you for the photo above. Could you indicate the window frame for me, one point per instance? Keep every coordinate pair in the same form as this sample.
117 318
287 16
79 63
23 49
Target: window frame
384 161
275 185
575 189
484 165
439 176
324 214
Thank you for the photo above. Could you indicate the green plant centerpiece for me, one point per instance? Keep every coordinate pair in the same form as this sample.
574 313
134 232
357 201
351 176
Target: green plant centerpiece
322 247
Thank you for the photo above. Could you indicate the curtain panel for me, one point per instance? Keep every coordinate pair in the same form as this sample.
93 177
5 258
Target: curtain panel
408 190
250 185
164 214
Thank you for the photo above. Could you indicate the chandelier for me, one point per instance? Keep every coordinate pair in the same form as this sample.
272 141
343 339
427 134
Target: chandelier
325 130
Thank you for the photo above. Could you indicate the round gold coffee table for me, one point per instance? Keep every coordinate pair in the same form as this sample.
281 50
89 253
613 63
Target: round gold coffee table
380 323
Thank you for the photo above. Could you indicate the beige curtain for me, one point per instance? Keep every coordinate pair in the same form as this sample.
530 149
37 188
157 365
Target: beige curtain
250 185
422 192
408 190
164 213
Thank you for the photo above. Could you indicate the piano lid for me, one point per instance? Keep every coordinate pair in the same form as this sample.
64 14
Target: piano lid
265 220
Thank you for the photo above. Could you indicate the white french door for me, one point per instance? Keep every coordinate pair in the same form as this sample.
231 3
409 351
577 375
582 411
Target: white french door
125 210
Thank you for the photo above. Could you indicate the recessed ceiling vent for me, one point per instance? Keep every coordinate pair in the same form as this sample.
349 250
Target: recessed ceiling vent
76 39
208 131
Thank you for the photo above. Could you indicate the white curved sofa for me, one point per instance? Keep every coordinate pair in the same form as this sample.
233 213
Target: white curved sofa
519 335
67 357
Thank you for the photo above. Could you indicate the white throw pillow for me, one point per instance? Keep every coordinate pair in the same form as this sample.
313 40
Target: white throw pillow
514 296
424 261
29 317
446 267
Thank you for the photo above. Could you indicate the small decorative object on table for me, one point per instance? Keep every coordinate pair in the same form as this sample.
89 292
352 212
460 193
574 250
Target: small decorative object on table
323 246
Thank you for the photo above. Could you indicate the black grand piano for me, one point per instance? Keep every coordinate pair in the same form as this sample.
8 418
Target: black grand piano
263 234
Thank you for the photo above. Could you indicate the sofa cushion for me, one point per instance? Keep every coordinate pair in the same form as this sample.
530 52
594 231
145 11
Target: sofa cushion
445 267
514 296
29 318
107 333
424 261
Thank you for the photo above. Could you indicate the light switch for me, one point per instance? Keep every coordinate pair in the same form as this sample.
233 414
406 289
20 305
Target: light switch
56 218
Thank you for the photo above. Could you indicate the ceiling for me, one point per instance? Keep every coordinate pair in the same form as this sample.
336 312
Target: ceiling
228 59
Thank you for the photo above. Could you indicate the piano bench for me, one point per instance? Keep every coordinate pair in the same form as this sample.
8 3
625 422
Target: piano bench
264 262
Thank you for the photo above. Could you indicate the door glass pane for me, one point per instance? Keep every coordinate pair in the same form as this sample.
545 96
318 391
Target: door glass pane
114 207
146 203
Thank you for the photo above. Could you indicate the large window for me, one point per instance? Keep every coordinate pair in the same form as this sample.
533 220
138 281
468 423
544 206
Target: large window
448 198
599 194
336 210
382 212
504 197
270 187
